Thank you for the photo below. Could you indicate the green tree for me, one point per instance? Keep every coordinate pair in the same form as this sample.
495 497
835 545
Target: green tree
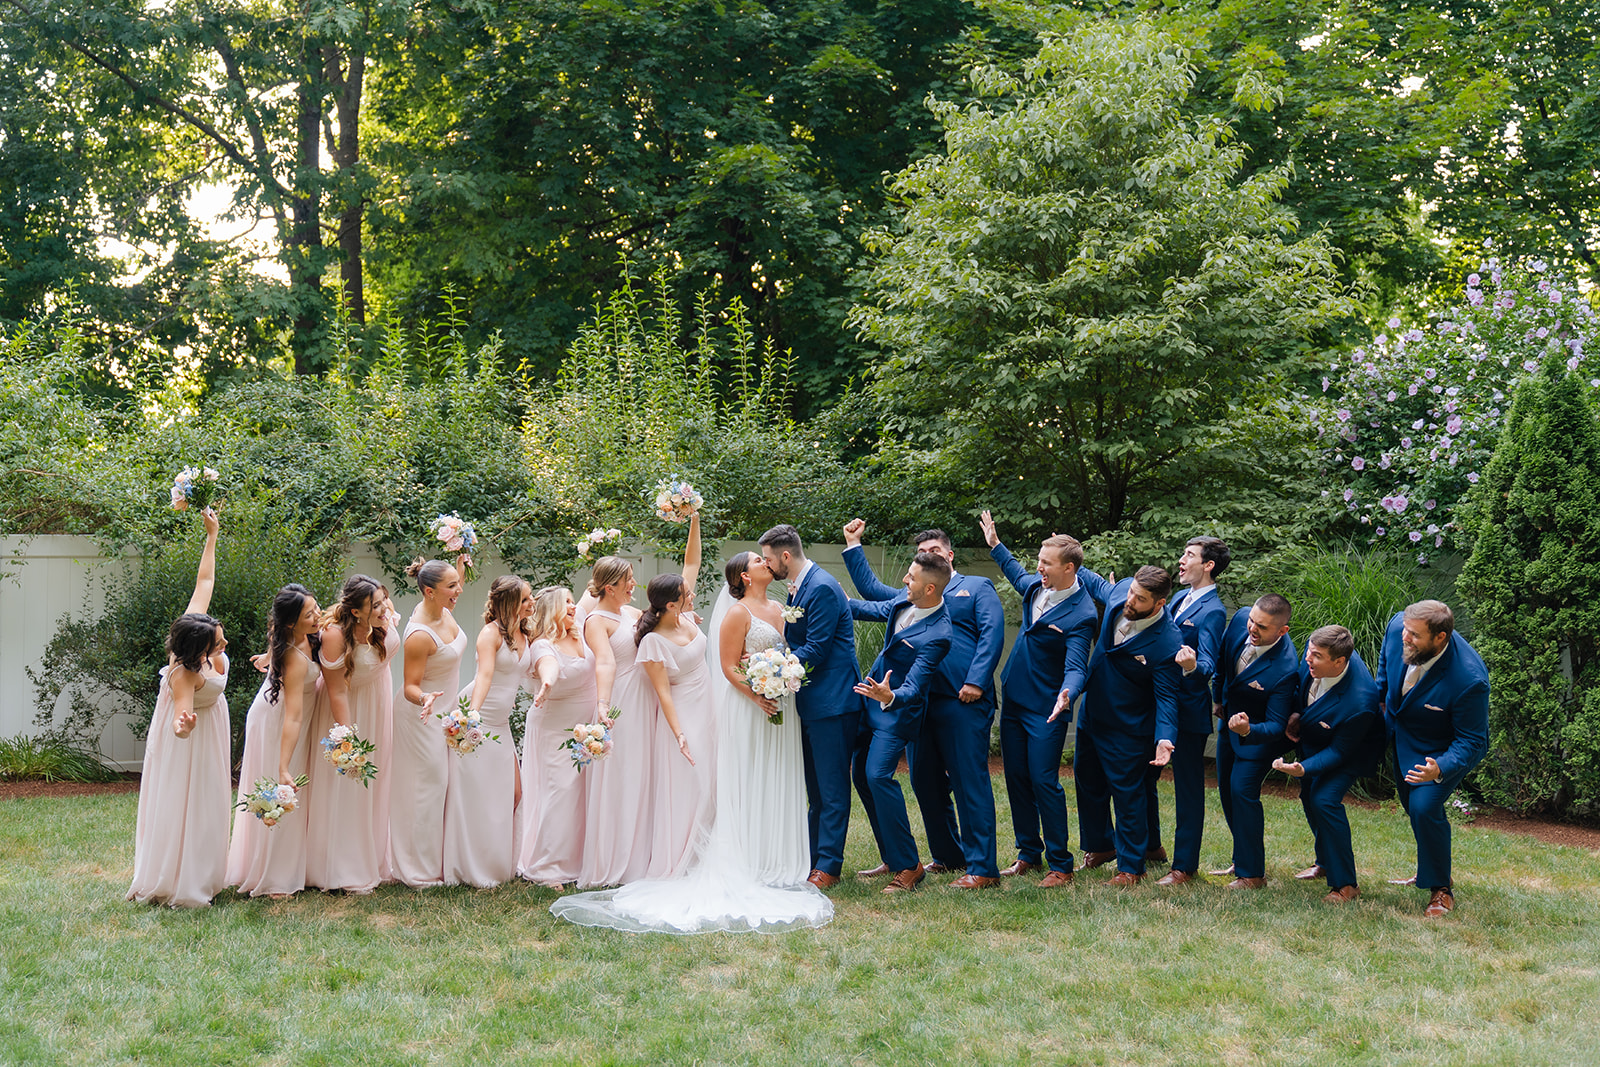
1081 301
1533 584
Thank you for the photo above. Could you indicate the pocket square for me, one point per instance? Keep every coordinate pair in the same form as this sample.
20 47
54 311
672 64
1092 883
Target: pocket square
1257 685
1054 627
963 592
1187 622
908 644
1141 659
1324 725
1431 707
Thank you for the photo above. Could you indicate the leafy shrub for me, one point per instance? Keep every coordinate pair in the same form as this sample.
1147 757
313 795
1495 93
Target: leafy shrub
49 759
117 644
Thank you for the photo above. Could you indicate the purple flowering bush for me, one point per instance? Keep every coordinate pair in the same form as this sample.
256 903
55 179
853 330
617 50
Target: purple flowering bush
1407 423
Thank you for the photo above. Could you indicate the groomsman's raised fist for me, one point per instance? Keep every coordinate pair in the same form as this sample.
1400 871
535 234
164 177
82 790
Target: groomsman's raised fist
1240 724
986 524
853 531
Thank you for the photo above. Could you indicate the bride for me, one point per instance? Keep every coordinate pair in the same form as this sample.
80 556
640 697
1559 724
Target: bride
753 857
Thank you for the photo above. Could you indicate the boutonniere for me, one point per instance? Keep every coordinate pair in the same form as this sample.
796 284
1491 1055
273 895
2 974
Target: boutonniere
793 613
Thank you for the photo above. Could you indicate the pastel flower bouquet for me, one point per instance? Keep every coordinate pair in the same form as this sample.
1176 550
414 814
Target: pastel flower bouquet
772 673
457 535
350 755
463 728
590 741
597 542
676 499
194 487
270 800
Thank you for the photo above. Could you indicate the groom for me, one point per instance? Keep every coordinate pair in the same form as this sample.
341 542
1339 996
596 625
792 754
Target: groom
824 639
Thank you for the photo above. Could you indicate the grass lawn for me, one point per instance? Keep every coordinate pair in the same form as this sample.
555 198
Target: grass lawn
1087 974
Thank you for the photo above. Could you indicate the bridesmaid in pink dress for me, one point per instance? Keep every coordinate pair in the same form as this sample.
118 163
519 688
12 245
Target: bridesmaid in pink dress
480 802
617 789
672 654
271 860
180 841
418 769
343 847
553 823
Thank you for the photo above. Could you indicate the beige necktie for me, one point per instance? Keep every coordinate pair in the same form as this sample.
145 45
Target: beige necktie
1413 673
1248 657
1316 690
1124 631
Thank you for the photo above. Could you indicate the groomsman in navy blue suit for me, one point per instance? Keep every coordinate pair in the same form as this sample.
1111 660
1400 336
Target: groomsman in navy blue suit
824 639
916 639
1044 674
1435 693
1255 684
1130 699
952 752
1340 736
1200 616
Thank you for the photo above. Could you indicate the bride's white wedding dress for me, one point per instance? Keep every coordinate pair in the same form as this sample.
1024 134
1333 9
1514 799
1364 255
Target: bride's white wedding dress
755 854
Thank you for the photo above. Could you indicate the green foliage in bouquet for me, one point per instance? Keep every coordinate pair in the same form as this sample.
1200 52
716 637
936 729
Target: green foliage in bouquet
1533 581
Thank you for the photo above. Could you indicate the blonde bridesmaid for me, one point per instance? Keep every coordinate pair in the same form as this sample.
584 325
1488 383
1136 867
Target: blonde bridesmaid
180 841
480 836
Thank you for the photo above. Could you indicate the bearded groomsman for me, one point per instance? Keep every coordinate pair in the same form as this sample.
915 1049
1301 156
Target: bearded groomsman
1200 617
1044 674
1255 685
1340 736
1434 689
952 751
1130 699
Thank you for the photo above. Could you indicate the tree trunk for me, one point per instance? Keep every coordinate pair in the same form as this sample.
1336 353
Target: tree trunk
305 235
346 155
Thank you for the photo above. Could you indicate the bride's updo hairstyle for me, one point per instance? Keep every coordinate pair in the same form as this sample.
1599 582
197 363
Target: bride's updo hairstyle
428 573
662 590
549 608
734 573
191 639
608 570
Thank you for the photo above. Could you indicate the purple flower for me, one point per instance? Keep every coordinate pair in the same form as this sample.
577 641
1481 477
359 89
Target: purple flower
1530 365
1384 462
1422 557
1433 527
1473 280
1572 364
1349 495
1430 374
1342 415
1392 396
1358 463
1537 266
1542 332
1473 477
1412 391
1453 427
1379 531
1555 296
1405 442
1394 322
1415 535
1475 297
1430 505
1324 385
1400 503
1417 425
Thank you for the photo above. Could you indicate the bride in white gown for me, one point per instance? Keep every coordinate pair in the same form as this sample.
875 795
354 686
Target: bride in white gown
755 854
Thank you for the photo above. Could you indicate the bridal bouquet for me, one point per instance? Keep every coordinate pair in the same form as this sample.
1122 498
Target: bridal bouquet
676 499
270 800
793 613
771 673
457 535
194 487
349 754
589 741
597 543
463 728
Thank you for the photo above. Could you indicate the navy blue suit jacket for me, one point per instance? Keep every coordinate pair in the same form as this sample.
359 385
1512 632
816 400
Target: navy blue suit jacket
1132 687
1052 652
1265 692
977 620
912 657
824 639
1446 715
1201 630
1342 730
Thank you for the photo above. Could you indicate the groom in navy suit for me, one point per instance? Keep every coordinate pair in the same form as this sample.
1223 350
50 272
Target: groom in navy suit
916 638
1041 679
952 752
1434 689
824 639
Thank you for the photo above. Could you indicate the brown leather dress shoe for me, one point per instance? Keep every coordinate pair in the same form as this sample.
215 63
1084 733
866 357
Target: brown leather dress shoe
938 868
1175 877
974 881
1091 860
1222 872
1311 873
822 879
907 880
1055 879
874 872
1020 867
1404 881
1247 883
1125 880
1442 903
1342 895
1156 855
